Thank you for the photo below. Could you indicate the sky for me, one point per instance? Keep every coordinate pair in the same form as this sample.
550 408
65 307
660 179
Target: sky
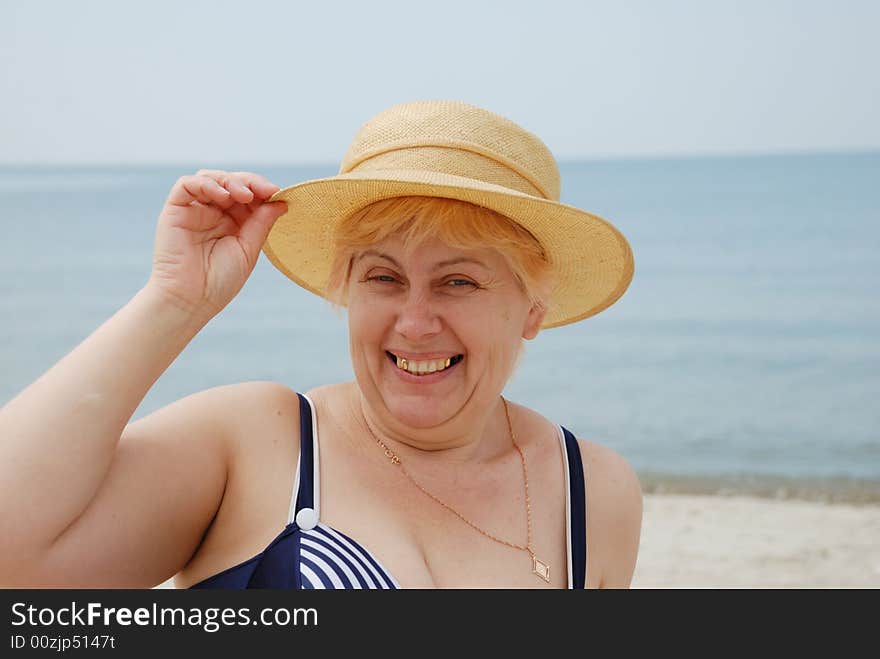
291 82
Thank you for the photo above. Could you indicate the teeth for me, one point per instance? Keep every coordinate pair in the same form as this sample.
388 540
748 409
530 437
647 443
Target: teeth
423 367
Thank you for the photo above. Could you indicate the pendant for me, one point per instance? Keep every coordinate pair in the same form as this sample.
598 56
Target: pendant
540 568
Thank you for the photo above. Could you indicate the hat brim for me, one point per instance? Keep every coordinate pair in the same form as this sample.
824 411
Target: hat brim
593 262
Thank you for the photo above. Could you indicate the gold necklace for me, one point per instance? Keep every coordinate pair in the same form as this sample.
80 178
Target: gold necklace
539 567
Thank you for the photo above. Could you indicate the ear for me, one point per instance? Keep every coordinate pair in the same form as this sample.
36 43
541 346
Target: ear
533 321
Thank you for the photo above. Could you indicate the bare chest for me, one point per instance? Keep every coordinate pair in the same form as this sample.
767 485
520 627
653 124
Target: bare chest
477 528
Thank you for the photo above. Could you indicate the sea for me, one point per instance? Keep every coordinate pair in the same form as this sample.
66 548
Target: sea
743 358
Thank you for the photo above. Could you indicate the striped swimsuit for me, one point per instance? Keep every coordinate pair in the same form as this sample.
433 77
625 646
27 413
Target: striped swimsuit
308 554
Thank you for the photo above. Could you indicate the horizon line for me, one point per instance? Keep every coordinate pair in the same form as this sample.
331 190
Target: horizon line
598 158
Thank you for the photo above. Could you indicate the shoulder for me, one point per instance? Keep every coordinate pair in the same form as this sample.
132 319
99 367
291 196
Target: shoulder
614 514
262 394
215 416
609 471
237 414
254 409
241 396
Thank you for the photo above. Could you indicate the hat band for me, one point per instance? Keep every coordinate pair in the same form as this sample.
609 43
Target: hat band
455 161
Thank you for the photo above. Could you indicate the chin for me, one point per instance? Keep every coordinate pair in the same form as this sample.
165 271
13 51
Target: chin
417 411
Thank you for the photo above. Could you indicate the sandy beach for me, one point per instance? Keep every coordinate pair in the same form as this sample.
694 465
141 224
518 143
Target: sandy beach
749 542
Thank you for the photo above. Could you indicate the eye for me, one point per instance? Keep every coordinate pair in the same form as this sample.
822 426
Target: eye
460 283
382 284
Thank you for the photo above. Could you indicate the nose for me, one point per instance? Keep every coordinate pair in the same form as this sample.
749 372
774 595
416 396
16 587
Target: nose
417 319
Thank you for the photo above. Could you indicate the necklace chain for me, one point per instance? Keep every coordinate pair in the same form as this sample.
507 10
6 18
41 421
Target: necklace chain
539 568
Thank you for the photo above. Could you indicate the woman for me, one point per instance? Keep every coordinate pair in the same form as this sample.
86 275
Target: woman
444 238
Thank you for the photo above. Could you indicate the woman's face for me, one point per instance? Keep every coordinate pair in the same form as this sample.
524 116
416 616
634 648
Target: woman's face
434 306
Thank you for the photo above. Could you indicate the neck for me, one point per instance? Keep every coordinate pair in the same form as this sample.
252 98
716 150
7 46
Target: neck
476 439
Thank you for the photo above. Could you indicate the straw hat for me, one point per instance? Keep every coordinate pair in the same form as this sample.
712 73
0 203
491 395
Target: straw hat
451 149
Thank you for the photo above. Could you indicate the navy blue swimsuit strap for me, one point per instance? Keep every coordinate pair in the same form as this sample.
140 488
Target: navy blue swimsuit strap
305 496
578 505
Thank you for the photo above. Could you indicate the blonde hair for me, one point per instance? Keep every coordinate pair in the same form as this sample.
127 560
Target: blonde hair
457 223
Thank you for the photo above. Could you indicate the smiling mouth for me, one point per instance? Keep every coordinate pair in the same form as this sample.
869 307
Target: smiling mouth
425 367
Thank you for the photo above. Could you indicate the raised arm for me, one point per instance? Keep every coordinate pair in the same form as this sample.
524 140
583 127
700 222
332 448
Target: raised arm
59 438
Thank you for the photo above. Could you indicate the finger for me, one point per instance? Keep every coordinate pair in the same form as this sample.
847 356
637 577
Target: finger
219 195
241 212
259 185
212 192
256 228
202 189
219 175
240 191
236 185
